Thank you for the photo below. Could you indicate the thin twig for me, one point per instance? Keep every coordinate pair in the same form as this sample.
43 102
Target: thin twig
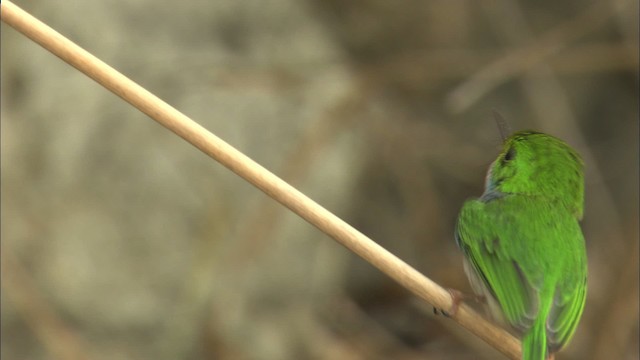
54 333
255 174
528 56
417 66
262 219
619 324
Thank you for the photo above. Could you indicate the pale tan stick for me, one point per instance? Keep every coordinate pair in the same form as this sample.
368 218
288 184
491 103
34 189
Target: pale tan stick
255 174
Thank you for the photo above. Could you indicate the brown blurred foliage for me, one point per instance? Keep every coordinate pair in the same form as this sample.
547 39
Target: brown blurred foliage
120 241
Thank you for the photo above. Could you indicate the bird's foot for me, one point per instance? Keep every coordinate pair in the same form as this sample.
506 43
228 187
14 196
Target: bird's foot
457 297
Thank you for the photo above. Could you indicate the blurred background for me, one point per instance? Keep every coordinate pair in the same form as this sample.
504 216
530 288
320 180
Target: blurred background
121 241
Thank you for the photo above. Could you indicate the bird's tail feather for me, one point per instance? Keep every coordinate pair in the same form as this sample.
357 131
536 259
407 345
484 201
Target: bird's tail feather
534 343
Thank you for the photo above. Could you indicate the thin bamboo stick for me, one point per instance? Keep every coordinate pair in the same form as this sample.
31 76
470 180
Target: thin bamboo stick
255 174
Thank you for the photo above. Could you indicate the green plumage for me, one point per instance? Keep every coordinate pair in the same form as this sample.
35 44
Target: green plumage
524 250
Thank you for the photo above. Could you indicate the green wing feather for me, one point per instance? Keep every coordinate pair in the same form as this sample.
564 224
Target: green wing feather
477 235
565 315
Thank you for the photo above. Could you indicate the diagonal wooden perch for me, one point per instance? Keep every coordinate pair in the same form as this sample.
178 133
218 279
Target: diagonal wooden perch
255 174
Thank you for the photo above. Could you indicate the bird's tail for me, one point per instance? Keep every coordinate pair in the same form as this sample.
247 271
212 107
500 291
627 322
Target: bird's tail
534 342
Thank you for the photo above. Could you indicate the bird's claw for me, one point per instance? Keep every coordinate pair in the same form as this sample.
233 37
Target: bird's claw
456 298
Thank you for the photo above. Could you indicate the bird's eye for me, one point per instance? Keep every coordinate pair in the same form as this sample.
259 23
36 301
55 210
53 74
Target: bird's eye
511 153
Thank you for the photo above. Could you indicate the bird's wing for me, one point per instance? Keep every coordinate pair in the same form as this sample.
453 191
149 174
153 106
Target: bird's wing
486 248
566 310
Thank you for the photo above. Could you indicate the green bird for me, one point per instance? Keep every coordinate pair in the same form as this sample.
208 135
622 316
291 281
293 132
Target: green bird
523 246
